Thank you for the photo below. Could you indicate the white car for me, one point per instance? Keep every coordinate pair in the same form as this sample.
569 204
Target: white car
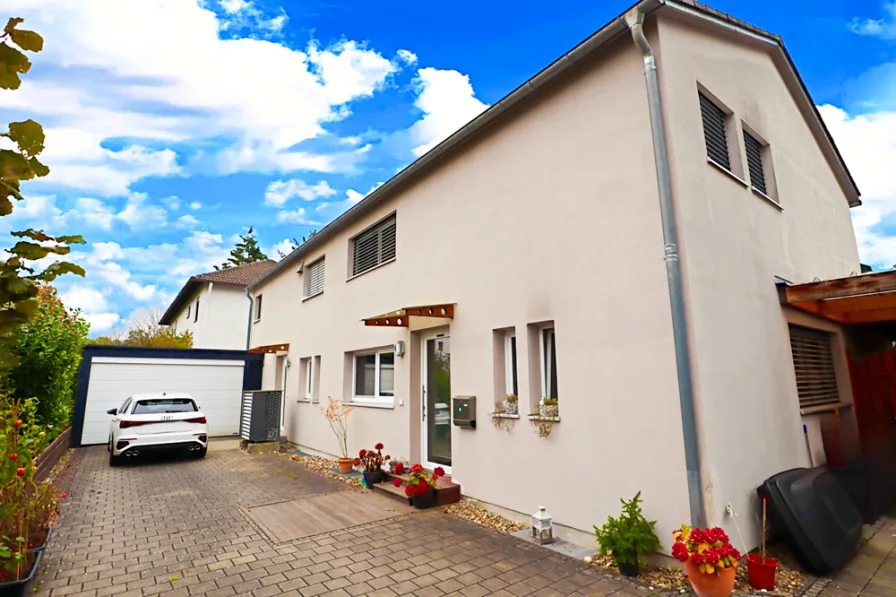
147 422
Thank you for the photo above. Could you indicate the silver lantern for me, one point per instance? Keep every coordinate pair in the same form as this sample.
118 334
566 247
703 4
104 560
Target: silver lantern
542 530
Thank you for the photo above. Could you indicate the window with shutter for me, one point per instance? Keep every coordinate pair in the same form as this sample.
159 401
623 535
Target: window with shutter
314 278
813 362
754 162
714 132
374 247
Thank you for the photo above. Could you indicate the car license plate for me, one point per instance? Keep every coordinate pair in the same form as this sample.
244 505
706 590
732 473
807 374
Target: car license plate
167 418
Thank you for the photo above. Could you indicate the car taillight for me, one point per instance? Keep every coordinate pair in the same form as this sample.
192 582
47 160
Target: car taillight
197 420
126 424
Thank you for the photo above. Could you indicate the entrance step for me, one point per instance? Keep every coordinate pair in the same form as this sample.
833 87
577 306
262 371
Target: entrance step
447 491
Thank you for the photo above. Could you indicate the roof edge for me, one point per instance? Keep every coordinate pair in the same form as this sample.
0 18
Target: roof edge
180 300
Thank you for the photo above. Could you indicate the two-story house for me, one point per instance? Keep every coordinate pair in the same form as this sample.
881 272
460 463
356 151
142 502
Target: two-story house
215 308
534 253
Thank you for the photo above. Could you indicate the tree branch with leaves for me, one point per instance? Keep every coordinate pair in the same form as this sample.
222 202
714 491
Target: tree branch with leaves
19 278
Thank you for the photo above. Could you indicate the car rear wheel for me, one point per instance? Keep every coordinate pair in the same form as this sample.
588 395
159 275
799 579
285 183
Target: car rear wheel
115 460
200 453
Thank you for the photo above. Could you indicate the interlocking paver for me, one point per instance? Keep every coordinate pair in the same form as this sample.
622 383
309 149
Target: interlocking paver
174 528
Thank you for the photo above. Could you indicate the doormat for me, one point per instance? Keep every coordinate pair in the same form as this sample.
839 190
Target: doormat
288 521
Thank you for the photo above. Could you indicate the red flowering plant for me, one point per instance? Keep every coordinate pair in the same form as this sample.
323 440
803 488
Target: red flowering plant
709 550
372 460
420 482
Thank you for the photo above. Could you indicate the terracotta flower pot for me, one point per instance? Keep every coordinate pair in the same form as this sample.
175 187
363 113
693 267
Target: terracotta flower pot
345 465
720 584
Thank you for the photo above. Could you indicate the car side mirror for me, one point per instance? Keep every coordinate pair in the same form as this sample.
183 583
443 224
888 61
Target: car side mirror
112 411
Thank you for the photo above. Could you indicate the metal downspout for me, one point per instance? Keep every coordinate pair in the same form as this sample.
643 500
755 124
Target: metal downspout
635 21
249 320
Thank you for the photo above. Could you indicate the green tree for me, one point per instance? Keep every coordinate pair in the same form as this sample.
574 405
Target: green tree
143 329
245 251
19 280
296 243
48 351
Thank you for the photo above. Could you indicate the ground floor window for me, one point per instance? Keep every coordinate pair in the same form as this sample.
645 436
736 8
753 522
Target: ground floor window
512 386
549 363
374 375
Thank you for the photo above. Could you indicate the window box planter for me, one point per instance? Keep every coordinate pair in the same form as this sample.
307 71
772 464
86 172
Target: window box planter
40 541
16 588
544 424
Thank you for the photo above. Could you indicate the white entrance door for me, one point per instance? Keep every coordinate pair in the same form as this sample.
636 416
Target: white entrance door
436 400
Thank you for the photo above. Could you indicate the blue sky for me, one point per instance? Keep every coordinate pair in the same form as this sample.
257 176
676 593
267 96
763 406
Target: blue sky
174 125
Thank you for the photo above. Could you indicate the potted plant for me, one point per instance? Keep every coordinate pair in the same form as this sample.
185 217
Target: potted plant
337 416
628 537
421 486
372 461
760 568
709 558
549 407
512 404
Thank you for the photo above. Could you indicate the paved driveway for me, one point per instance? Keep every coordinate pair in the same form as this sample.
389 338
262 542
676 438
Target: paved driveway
176 528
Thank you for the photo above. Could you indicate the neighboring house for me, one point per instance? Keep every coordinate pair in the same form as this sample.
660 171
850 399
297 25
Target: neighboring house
215 308
531 244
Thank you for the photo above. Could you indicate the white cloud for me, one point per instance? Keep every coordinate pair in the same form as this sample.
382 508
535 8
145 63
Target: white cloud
195 205
884 27
279 250
247 101
352 197
868 144
299 216
172 202
95 212
137 214
101 322
447 101
407 57
93 305
281 191
188 221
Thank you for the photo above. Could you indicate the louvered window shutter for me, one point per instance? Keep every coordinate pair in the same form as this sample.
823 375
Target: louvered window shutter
315 278
714 132
754 161
813 362
374 247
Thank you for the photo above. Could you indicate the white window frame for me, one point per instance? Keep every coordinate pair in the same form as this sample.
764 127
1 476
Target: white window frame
321 261
376 377
189 307
509 340
309 370
258 308
543 358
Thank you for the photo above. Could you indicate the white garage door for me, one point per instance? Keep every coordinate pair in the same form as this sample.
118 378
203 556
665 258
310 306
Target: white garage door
215 385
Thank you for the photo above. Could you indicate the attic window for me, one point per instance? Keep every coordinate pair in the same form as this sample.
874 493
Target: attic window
314 278
714 133
754 162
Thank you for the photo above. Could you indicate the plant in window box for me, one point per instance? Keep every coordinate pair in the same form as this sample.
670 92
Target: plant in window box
372 461
337 416
628 537
549 407
512 404
498 419
421 486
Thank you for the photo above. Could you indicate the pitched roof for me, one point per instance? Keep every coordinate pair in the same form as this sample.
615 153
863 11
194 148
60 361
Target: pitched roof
239 276
686 9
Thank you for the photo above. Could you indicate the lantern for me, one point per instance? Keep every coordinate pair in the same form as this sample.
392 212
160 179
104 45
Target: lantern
542 531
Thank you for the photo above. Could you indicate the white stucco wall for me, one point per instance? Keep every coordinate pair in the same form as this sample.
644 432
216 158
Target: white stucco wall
551 217
734 243
223 317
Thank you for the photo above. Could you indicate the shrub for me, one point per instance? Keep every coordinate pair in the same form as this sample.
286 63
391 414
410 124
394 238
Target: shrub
629 536
48 350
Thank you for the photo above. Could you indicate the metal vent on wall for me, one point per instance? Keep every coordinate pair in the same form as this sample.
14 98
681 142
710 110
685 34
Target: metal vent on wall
374 247
714 132
754 162
813 362
260 416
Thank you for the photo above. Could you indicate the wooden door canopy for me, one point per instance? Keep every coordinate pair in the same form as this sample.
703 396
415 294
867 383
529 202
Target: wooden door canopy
401 317
866 298
270 349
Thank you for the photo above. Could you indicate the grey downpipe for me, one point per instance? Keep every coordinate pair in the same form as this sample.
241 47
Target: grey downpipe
249 320
673 274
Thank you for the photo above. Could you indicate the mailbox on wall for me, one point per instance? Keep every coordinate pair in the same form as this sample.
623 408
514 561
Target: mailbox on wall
464 411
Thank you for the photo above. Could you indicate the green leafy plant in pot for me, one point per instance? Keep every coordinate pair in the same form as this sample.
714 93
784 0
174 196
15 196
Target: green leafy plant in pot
628 537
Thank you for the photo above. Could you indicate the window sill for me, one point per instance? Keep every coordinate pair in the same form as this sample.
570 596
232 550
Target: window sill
503 416
767 198
824 408
371 404
350 278
308 298
304 401
257 320
540 418
726 171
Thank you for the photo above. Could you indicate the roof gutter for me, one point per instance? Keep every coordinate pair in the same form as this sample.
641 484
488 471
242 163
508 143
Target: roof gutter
635 22
608 33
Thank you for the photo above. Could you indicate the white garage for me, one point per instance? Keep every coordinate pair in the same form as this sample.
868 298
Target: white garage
109 374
